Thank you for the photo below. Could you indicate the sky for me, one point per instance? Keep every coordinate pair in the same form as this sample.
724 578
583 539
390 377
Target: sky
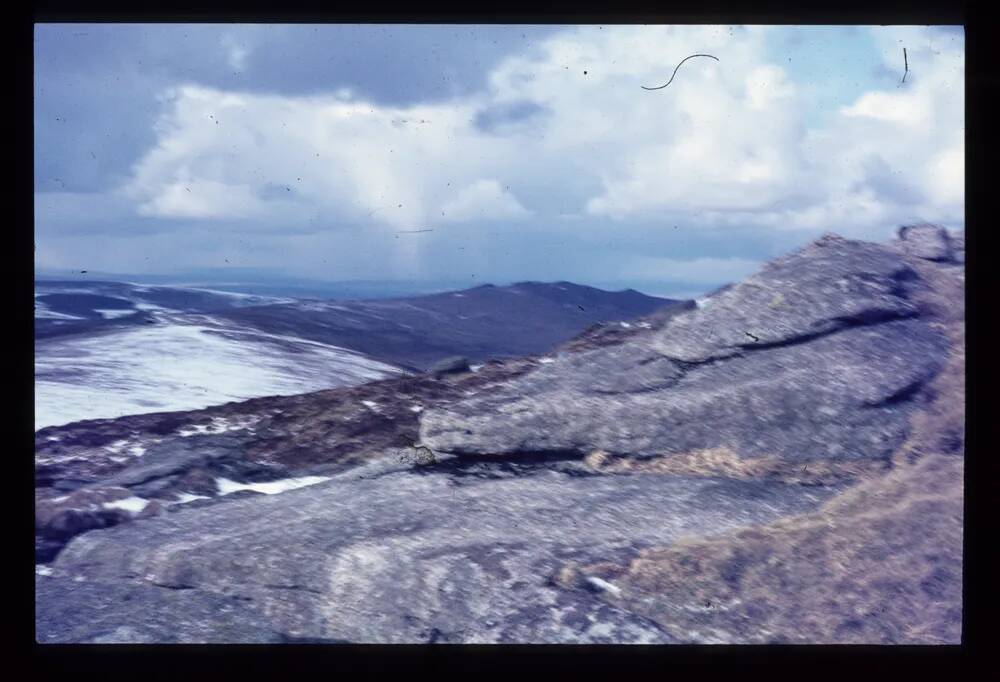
486 153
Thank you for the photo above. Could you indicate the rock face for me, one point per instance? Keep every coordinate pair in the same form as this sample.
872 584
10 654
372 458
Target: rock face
168 457
816 357
957 240
654 485
929 242
388 553
59 518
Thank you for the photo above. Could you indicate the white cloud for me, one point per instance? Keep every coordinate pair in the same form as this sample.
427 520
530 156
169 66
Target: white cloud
892 107
724 145
483 200
236 52
202 199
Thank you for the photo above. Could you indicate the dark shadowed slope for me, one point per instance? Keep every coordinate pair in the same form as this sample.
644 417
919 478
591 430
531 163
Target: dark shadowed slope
106 349
480 323
70 307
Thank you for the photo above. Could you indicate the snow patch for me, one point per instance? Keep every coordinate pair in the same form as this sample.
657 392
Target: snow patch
475 368
112 314
130 504
604 585
117 446
184 498
227 486
601 630
416 408
546 361
626 325
43 570
218 425
186 362
42 310
371 405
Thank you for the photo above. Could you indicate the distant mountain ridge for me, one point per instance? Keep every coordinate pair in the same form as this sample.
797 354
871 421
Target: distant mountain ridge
69 307
146 348
487 321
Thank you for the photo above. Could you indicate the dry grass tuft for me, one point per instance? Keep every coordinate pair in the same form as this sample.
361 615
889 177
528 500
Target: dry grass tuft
724 461
879 563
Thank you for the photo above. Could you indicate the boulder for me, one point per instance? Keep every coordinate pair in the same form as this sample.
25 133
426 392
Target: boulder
957 240
168 466
59 518
927 241
819 356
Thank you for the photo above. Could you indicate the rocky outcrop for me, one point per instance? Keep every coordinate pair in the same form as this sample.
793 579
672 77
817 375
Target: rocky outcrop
675 483
929 242
168 458
819 356
392 553
59 518
957 240
878 563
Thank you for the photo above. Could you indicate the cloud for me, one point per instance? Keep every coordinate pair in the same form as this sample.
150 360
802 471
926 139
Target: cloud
202 199
563 128
236 52
346 158
505 117
483 200
724 144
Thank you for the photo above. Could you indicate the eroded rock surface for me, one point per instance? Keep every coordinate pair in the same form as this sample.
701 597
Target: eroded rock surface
817 356
394 555
180 457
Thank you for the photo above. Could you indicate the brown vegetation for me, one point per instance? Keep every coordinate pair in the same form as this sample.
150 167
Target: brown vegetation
879 563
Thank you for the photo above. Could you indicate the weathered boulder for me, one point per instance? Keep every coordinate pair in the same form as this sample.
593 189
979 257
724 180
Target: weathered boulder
59 518
957 240
167 463
927 241
817 356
